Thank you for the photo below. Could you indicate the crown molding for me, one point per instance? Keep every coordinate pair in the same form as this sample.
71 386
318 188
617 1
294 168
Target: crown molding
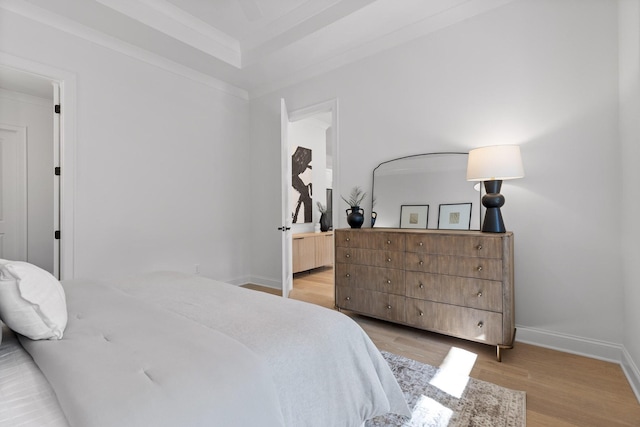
175 22
66 25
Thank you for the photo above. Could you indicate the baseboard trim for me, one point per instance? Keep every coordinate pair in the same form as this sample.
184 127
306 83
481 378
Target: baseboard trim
238 281
632 372
264 281
581 346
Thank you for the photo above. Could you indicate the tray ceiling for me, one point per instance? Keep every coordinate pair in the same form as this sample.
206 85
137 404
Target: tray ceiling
254 45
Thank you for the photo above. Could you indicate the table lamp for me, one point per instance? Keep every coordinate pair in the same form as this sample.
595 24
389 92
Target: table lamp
493 164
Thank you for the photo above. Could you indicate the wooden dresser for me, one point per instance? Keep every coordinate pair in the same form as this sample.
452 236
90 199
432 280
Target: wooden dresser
458 283
312 250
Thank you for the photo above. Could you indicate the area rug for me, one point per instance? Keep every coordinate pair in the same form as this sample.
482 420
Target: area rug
467 401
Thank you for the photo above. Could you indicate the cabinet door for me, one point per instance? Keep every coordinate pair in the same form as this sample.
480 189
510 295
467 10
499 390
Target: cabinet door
304 253
324 250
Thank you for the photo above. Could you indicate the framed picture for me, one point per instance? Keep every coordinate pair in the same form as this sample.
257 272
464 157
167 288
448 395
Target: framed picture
414 216
454 216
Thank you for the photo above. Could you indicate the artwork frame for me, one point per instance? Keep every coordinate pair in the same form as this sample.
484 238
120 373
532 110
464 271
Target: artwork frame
414 216
454 216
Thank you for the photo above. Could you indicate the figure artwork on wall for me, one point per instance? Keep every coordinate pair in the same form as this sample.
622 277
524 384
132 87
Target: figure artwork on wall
301 183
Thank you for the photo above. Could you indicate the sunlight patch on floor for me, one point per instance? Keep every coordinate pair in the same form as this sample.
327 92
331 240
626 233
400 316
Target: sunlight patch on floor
453 374
428 410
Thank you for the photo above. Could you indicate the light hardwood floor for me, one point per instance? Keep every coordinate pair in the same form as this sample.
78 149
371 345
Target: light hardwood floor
562 389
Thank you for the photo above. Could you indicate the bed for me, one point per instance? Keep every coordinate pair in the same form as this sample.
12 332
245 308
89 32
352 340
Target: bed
170 349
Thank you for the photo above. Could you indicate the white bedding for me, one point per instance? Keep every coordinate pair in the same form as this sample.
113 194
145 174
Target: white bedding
173 349
26 398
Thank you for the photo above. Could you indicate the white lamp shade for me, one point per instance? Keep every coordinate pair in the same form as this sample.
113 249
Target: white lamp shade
496 162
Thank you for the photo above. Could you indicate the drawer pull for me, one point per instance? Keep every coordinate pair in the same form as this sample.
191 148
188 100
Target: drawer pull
480 325
348 275
388 242
479 268
420 244
388 307
348 255
388 259
421 313
388 282
421 263
479 294
479 247
348 298
421 286
348 239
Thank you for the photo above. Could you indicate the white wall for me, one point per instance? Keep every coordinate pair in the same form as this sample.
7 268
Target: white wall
36 114
539 73
630 140
161 161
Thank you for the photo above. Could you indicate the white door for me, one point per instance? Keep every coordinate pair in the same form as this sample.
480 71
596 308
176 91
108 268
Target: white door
13 192
56 180
287 258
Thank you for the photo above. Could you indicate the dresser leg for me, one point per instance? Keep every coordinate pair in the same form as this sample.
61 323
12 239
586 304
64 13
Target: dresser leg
498 354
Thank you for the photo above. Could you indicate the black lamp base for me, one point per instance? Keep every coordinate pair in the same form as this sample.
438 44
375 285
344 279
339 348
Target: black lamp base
493 201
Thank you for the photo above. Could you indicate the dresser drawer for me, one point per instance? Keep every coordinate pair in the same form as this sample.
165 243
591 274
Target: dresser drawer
481 268
373 278
469 323
374 258
367 240
462 291
377 304
468 246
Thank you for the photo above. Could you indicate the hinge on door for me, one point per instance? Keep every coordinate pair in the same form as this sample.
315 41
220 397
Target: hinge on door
56 171
56 108
56 234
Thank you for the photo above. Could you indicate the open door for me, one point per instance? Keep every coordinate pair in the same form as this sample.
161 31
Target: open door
287 258
56 180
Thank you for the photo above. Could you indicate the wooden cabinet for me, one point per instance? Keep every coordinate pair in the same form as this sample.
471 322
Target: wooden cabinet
312 250
458 283
324 248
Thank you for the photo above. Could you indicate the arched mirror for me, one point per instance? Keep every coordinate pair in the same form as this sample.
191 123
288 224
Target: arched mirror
426 191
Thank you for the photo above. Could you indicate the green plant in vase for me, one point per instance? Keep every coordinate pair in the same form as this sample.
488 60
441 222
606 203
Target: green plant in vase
355 215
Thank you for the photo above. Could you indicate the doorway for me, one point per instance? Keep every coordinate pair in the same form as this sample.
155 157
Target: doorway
29 89
312 131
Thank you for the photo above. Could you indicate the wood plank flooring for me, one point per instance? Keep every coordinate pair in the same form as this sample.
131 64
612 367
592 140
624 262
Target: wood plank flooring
563 389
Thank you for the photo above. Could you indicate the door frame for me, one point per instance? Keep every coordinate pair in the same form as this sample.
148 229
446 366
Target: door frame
67 83
306 112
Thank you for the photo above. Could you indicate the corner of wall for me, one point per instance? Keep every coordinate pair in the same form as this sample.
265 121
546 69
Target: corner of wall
632 372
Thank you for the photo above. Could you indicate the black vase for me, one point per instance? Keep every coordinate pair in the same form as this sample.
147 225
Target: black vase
355 216
325 223
374 215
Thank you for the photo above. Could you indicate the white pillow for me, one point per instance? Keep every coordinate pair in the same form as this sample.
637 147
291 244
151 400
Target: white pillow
32 301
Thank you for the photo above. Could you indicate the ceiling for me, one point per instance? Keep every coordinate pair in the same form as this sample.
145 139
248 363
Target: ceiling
254 46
